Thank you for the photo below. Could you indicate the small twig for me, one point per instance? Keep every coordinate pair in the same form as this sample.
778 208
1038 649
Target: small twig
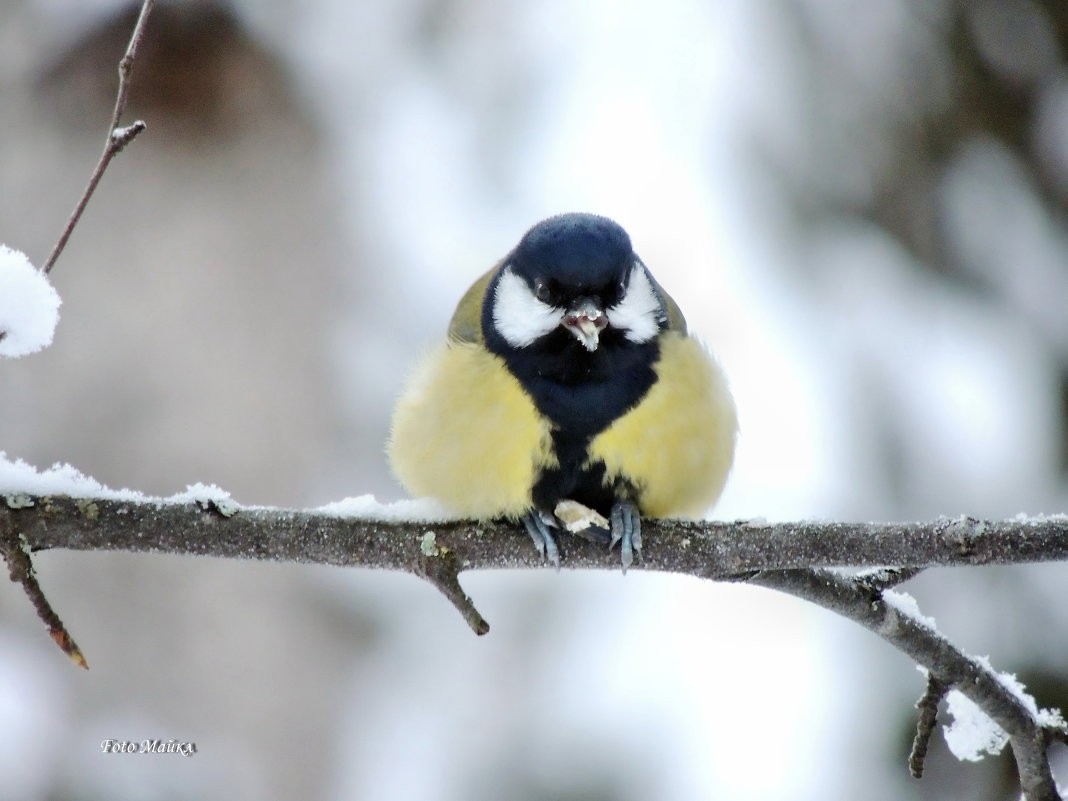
439 566
21 570
117 137
925 725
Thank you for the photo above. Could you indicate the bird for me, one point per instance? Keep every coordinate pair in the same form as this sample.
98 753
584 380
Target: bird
568 374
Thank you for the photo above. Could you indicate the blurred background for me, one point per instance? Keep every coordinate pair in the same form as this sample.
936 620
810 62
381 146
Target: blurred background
861 207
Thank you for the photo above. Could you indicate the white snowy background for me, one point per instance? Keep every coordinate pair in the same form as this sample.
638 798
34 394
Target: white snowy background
259 269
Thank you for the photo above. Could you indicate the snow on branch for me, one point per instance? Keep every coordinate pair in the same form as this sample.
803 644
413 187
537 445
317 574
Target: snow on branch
29 306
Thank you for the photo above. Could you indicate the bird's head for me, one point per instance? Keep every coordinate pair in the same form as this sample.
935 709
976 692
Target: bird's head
577 273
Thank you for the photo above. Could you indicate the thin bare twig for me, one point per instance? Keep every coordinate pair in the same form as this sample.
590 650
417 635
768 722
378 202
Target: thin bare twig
21 570
117 137
925 725
439 566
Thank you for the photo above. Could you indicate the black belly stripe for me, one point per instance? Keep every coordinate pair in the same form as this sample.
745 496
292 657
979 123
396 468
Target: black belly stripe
581 393
573 478
584 392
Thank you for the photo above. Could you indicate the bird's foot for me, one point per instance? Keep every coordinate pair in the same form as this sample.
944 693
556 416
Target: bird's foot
539 525
626 525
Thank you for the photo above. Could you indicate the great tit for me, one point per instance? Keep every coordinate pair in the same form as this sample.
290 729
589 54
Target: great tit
568 374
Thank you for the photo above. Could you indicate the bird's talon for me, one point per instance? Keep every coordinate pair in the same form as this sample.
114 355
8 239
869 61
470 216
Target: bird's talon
552 554
537 525
626 530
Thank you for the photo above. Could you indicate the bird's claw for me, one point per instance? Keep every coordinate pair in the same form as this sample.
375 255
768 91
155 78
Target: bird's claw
627 531
538 525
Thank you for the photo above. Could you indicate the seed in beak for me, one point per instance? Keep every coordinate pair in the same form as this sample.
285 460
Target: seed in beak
586 323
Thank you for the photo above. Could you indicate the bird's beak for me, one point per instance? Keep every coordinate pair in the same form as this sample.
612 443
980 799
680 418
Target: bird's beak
585 319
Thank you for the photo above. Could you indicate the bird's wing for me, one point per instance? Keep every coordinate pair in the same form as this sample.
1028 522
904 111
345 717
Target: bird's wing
675 318
466 322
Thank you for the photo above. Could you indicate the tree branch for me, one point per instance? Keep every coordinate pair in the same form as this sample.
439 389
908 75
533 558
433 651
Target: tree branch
705 549
117 137
784 556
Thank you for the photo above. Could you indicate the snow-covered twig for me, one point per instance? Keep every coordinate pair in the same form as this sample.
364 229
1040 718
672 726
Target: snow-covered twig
117 137
903 628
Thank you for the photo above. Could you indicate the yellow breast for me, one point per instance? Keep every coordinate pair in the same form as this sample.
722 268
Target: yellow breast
676 446
466 433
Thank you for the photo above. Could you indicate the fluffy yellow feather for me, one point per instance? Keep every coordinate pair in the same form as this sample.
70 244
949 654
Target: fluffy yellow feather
466 433
677 445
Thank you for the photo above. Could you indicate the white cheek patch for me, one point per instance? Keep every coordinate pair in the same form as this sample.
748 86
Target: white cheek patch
518 316
639 313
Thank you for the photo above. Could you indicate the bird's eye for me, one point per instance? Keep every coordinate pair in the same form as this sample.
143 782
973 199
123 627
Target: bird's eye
541 292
